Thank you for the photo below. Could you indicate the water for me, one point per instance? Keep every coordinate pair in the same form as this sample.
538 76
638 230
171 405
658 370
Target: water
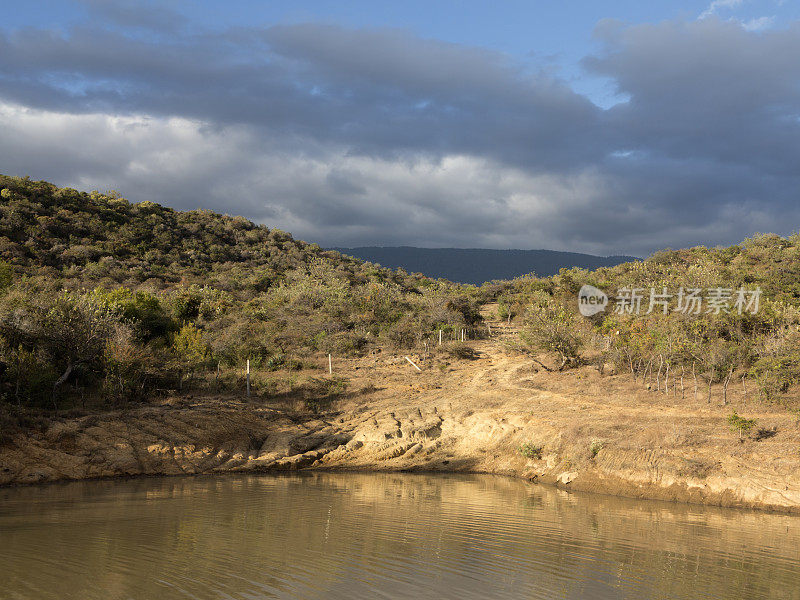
328 535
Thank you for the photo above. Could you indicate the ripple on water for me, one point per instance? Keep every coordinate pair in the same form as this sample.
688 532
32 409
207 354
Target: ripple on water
326 535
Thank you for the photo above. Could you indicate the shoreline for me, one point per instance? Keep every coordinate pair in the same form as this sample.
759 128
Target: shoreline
663 495
70 451
497 413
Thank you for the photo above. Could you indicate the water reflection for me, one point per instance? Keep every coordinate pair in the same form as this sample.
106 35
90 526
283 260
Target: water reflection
323 535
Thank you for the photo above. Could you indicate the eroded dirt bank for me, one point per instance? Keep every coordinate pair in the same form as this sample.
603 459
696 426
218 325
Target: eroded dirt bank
601 433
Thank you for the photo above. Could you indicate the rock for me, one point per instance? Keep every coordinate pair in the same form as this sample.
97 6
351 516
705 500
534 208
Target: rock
567 477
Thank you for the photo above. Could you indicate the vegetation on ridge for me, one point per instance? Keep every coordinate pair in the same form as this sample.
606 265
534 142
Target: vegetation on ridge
110 301
114 301
666 347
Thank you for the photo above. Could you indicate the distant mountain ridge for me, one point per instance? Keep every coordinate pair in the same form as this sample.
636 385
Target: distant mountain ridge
477 265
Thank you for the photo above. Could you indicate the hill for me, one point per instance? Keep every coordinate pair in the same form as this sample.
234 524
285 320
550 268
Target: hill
110 299
126 329
98 293
92 238
478 265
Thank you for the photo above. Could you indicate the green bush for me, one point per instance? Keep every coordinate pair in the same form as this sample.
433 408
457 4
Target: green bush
130 367
595 448
191 349
142 310
740 425
275 362
531 450
551 327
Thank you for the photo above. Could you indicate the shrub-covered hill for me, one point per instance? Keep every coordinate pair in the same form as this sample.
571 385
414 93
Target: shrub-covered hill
93 238
110 300
103 298
743 326
767 261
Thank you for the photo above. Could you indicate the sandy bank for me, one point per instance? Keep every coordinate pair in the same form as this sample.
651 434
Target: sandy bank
598 433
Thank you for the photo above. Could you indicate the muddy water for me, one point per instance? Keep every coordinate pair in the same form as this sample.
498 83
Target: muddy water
325 535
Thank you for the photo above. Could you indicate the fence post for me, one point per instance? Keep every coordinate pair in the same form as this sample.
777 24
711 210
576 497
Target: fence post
248 377
330 365
440 337
412 364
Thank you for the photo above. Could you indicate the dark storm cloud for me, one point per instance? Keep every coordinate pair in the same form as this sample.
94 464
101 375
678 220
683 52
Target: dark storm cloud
706 90
379 92
712 125
377 136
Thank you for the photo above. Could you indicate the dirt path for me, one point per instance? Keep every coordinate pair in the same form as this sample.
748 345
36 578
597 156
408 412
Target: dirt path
583 430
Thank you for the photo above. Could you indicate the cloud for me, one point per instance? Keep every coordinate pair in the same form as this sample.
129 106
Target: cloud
449 200
758 24
380 91
706 91
716 5
754 24
376 136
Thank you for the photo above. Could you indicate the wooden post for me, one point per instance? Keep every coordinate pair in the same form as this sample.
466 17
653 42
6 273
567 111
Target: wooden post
683 395
725 387
658 377
248 377
744 386
330 364
440 337
412 364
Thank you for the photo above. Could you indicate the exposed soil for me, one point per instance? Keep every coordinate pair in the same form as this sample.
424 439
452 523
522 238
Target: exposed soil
596 432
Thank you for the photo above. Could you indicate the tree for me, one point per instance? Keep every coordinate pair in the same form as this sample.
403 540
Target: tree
74 333
191 348
740 424
142 310
550 327
129 365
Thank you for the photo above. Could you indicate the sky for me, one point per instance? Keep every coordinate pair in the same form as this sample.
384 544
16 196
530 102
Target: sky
603 127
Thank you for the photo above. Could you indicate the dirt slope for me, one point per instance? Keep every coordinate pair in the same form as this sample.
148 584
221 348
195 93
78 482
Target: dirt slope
602 433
